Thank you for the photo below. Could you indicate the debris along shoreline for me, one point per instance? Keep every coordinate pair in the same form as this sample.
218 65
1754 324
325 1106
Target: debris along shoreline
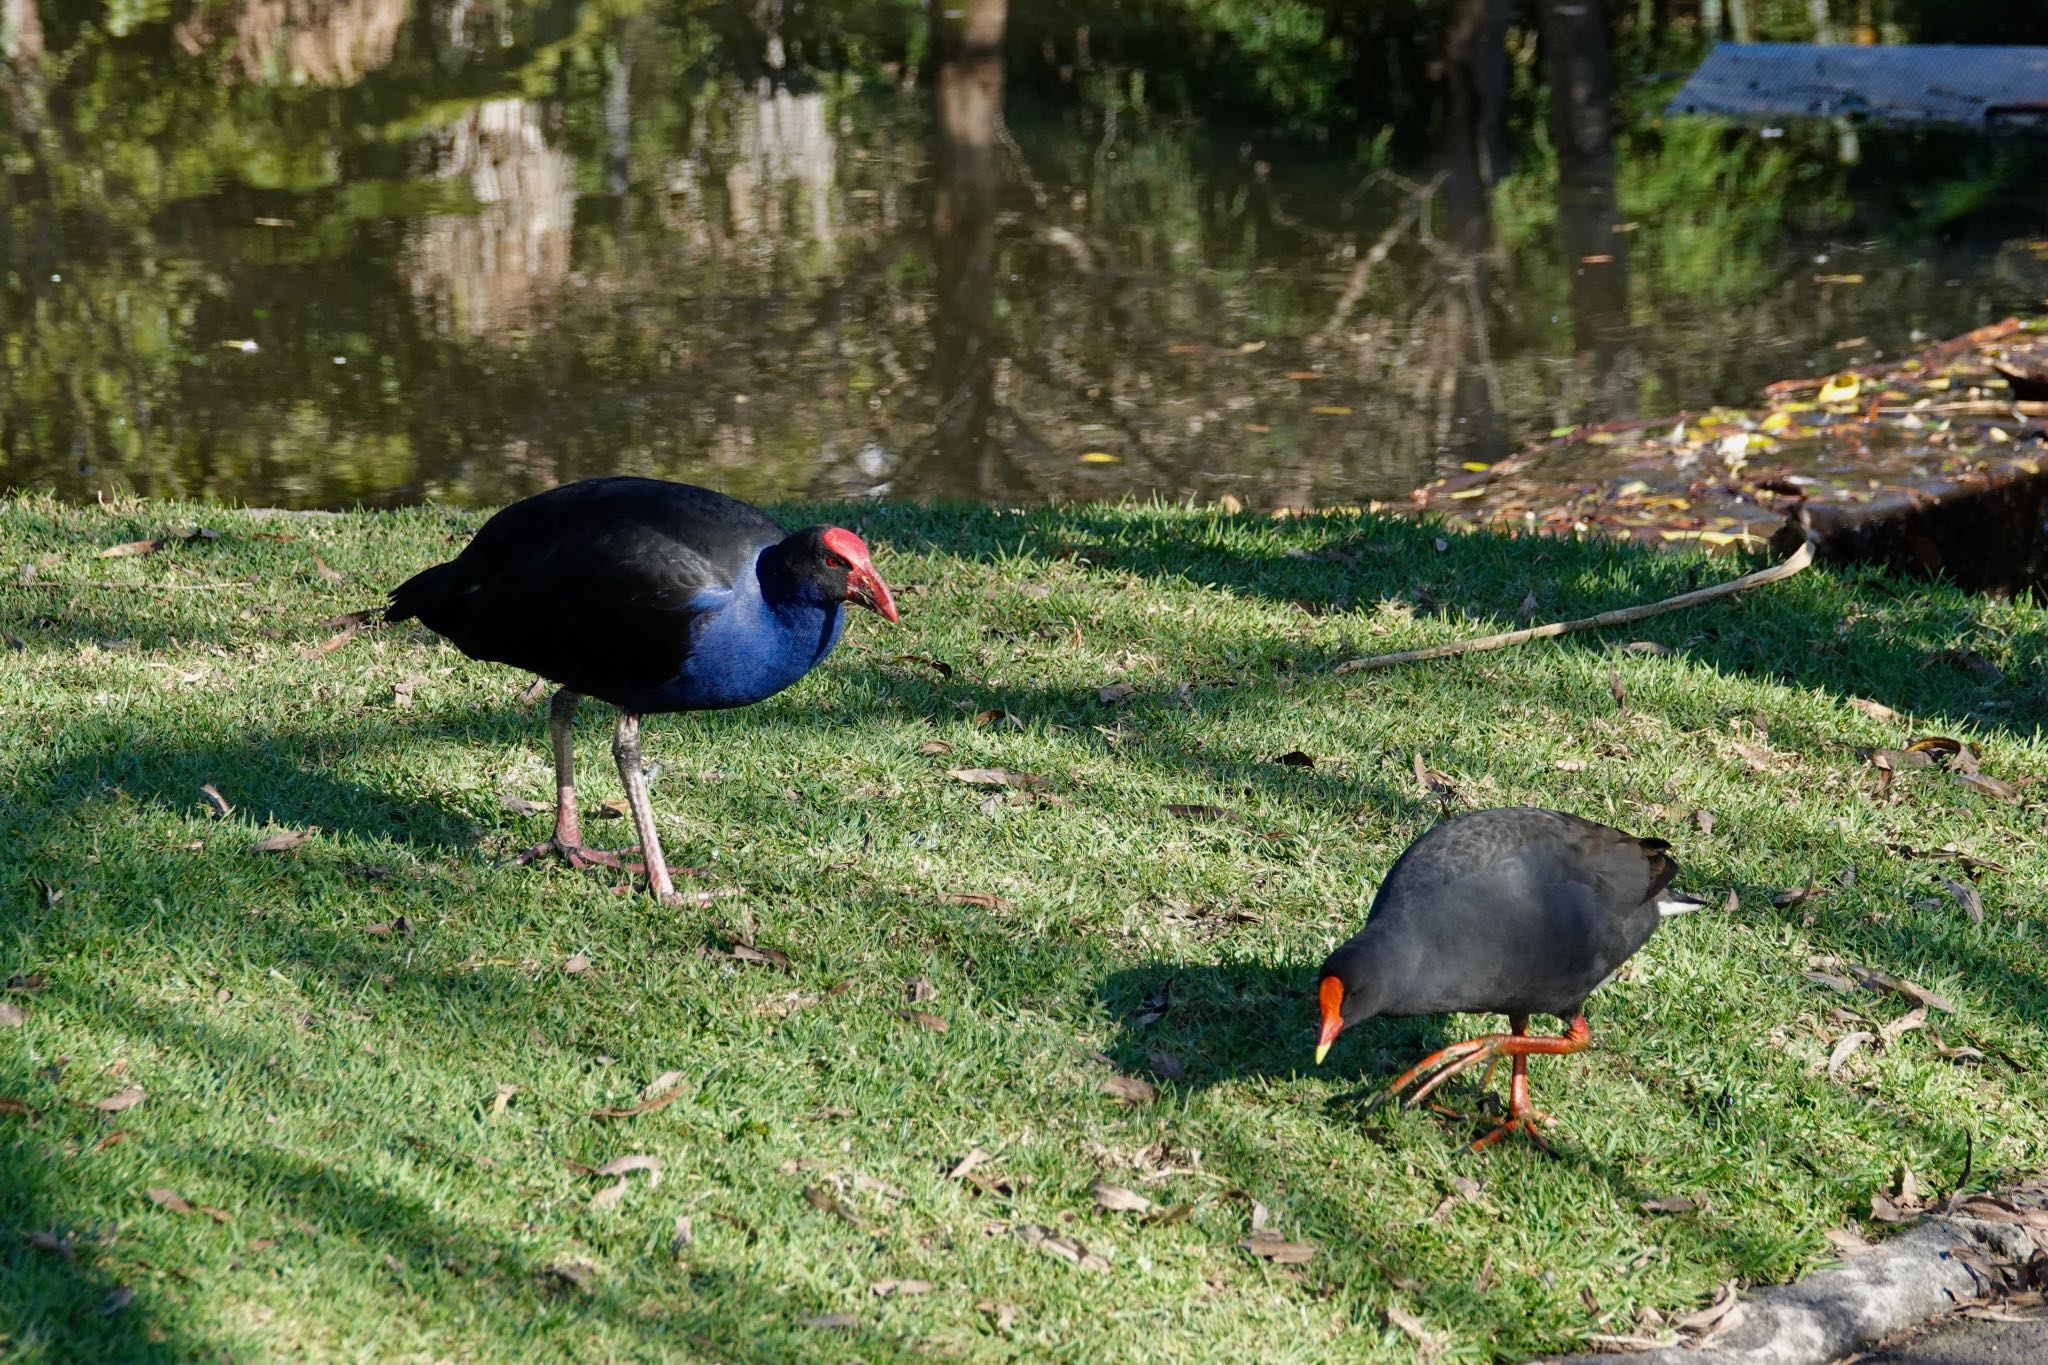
1977 1256
1927 464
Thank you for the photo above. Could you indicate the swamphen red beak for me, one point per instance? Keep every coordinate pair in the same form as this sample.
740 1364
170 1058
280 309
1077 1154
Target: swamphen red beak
864 587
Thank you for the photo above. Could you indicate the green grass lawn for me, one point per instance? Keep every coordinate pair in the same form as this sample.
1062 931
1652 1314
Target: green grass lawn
380 1136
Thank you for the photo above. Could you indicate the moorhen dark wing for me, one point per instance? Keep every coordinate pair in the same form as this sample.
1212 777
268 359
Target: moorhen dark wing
1515 911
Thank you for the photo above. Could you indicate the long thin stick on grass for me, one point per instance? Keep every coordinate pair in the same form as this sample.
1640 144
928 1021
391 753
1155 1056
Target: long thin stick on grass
1798 560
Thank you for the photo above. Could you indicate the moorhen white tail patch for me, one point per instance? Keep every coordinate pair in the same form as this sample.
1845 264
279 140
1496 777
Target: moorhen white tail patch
652 596
1515 911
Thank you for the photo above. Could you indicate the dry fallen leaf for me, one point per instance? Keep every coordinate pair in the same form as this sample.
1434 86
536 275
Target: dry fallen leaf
1128 1089
118 1298
334 641
1988 785
981 898
918 989
824 1201
1904 1024
1703 1320
503 1098
1295 758
967 1164
1876 710
996 777
166 1199
660 1093
328 574
889 1289
1873 979
832 1322
400 927
1967 896
1115 693
1271 1247
215 802
11 1015
932 748
1165 1065
933 1022
577 964
283 841
1674 1203
620 1167
1850 1042
1117 1199
1848 1241
1703 819
1064 1248
1411 1326
1202 813
121 1099
131 548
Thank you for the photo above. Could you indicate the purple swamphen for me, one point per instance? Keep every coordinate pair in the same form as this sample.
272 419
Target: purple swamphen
652 596
1515 911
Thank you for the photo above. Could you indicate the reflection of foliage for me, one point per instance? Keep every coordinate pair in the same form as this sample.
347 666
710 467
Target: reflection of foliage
1195 179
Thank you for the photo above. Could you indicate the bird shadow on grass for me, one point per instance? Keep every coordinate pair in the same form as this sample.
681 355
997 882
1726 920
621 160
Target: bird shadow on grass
123 1294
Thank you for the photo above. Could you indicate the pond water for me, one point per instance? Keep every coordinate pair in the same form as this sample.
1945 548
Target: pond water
348 252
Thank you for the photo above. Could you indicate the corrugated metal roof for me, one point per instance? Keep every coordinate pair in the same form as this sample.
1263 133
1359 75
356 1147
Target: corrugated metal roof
1977 87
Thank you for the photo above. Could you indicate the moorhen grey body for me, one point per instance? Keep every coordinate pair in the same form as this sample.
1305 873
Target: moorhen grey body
652 596
1516 911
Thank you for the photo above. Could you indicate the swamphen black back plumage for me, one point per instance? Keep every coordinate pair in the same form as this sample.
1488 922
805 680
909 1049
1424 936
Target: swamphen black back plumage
652 596
1516 911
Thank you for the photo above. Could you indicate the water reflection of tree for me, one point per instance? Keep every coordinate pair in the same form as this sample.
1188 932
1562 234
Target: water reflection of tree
692 239
1582 118
967 175
494 270
320 42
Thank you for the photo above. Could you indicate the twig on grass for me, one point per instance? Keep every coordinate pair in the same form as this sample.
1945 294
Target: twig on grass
1798 560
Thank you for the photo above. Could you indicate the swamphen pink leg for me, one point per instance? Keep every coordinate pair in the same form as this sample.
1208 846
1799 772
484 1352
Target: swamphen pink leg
567 840
1490 1048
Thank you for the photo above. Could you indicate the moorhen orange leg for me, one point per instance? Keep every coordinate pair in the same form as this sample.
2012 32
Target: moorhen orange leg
1516 1045
566 842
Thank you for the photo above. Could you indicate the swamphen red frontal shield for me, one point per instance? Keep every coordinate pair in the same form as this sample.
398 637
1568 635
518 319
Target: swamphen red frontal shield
652 596
1516 911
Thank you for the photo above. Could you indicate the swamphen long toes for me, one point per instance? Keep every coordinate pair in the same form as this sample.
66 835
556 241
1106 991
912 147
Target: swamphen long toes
1516 911
652 596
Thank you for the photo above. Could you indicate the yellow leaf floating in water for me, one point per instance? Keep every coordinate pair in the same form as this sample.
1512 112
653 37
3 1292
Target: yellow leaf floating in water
1100 457
1843 388
1469 493
1939 383
1475 466
1331 410
1777 421
1998 434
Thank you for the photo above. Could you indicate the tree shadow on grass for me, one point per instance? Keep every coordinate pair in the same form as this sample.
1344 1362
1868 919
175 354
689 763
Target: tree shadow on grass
1791 631
301 1218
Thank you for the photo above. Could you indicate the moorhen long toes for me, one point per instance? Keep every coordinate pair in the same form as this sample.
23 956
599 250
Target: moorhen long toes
1515 911
652 596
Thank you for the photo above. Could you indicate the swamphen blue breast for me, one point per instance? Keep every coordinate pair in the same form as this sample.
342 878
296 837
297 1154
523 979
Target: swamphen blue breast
1516 911
652 596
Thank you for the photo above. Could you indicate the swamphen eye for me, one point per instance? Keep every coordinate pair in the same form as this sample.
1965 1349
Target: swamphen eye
834 561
